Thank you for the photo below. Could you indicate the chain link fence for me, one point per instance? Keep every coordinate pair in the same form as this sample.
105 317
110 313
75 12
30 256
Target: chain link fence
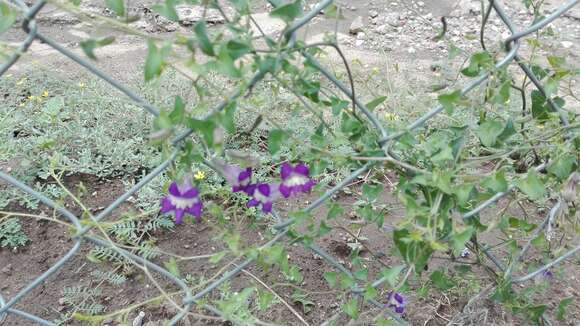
30 27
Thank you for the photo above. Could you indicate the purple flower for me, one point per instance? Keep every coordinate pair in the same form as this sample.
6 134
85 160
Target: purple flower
465 253
263 194
182 198
236 176
547 275
295 179
396 301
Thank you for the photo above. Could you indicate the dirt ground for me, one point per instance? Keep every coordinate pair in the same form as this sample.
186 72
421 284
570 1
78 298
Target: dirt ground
405 40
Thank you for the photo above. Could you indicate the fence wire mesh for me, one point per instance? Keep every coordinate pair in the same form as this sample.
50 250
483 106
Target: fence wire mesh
30 27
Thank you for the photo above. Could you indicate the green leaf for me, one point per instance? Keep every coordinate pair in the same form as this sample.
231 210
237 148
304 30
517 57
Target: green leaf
540 241
489 131
178 113
496 182
361 274
370 292
153 62
288 12
167 10
351 308
441 281
520 224
539 109
237 49
334 211
333 12
204 127
90 45
532 186
376 102
200 30
384 322
477 63
463 193
459 239
275 139
171 266
536 312
392 274
217 257
7 17
561 310
371 193
331 278
448 100
265 299
563 166
117 6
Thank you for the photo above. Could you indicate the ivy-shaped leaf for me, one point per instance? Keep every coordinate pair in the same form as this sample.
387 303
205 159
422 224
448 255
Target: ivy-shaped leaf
532 186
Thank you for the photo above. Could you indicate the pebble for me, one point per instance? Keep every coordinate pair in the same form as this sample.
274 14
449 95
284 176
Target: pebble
567 44
7 270
357 25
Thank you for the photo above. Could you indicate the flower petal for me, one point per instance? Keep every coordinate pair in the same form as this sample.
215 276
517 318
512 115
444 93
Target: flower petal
166 205
253 203
267 207
285 170
195 210
284 190
301 168
179 216
174 189
264 189
190 193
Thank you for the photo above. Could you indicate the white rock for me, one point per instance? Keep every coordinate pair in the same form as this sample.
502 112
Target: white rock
373 13
357 25
567 44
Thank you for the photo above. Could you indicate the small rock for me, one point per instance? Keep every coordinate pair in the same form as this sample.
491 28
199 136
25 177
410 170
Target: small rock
411 50
7 270
359 42
360 36
393 19
567 44
357 25
373 13
421 4
382 29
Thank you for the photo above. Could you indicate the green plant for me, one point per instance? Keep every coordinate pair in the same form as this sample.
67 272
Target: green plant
11 234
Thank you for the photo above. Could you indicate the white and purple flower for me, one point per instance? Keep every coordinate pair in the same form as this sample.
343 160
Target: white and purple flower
182 198
263 195
465 253
295 179
396 301
236 176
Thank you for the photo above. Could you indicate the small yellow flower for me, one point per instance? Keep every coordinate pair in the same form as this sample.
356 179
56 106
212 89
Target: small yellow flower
199 175
45 94
21 81
375 70
541 126
391 116
9 76
21 104
82 85
31 97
